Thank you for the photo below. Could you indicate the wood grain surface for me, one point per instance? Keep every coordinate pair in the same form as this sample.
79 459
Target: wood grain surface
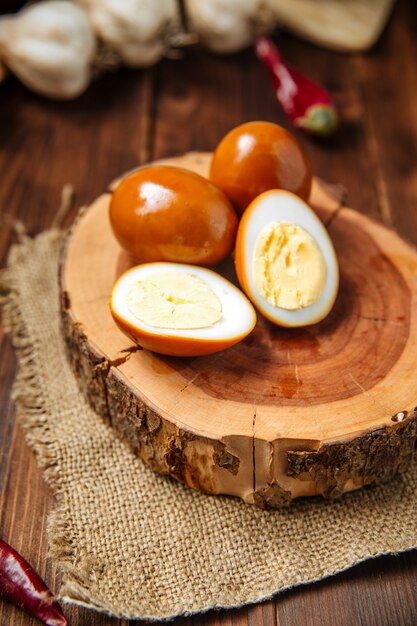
253 403
130 117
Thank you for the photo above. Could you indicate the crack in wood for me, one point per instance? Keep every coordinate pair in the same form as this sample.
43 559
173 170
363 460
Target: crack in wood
106 393
198 374
297 376
97 299
385 320
368 394
102 371
190 382
126 354
371 144
132 349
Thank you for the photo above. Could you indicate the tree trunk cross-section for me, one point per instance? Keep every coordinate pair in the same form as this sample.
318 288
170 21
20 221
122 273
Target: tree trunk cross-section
286 413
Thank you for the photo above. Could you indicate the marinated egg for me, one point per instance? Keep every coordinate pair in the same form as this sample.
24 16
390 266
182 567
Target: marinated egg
165 213
258 156
285 260
180 310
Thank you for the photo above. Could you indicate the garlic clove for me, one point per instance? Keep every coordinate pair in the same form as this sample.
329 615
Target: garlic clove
136 29
227 26
144 54
50 47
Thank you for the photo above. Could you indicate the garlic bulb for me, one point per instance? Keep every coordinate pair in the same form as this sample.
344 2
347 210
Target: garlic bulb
50 47
136 29
227 26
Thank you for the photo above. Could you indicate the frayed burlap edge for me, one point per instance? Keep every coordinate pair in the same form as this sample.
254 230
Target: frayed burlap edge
32 415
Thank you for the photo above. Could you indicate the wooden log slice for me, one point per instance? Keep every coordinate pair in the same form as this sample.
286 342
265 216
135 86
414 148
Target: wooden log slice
286 413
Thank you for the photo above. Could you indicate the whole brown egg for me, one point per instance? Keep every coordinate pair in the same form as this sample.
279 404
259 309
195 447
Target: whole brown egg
165 213
256 157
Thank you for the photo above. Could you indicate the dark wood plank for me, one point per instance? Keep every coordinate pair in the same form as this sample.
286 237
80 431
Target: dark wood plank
368 594
389 79
46 145
130 117
85 143
342 159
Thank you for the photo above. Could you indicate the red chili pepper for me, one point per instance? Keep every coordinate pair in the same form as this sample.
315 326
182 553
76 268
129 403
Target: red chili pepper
307 104
21 585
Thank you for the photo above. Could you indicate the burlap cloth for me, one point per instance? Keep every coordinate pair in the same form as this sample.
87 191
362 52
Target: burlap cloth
136 544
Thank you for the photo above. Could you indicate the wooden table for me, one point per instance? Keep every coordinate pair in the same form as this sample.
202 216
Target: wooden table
131 117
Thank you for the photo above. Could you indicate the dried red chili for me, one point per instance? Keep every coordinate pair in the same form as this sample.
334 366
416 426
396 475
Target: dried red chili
307 104
21 585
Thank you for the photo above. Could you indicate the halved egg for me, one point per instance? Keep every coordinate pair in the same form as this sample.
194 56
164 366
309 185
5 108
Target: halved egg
180 310
285 260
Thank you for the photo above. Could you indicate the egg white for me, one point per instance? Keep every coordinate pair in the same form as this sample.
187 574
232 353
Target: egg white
283 206
238 315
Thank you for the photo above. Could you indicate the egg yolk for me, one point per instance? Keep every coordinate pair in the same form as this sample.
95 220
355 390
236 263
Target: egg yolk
174 300
289 268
